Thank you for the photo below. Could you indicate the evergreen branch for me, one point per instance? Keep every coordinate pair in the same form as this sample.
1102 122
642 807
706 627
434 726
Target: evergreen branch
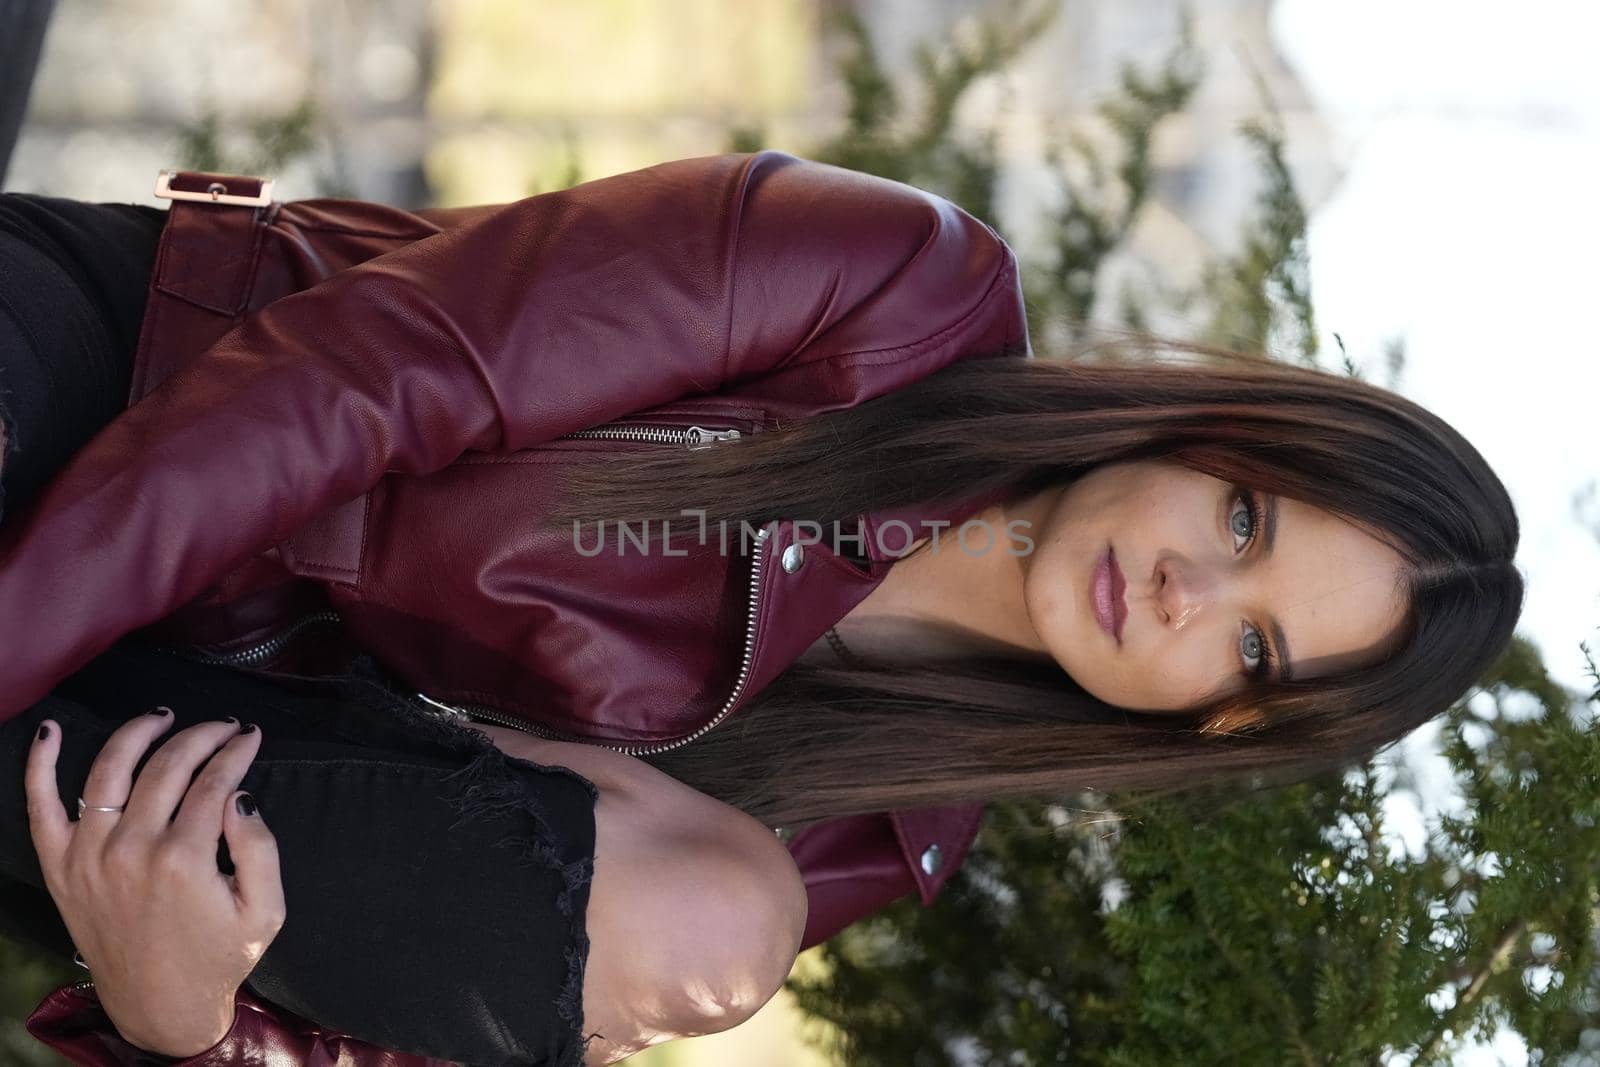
1466 1002
872 95
1283 1003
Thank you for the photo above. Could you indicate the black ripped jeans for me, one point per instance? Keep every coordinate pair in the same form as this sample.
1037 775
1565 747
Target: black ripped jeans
436 889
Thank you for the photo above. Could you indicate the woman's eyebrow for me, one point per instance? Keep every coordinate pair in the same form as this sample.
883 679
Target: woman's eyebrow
1269 533
1285 669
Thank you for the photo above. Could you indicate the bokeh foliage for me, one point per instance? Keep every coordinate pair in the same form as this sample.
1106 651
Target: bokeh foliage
25 977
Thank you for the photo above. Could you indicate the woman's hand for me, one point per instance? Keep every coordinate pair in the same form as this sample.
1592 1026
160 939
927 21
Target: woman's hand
167 936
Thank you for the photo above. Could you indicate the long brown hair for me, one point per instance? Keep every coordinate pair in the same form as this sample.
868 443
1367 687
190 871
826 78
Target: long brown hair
824 741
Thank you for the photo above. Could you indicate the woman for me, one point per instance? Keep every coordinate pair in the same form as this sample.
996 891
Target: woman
407 430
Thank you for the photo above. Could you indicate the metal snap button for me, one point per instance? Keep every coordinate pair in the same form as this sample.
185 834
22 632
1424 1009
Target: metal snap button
932 859
793 558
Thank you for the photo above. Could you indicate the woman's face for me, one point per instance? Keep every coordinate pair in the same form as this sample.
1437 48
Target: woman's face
1218 585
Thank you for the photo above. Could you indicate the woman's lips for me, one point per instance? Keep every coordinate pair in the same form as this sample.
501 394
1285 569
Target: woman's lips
1108 589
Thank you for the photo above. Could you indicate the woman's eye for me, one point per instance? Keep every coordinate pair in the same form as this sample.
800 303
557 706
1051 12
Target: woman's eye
1253 650
1242 521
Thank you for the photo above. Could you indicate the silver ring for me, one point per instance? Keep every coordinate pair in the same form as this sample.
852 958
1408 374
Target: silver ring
83 807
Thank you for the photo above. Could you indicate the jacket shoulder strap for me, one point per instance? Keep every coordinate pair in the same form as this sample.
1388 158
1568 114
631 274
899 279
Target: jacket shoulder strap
205 263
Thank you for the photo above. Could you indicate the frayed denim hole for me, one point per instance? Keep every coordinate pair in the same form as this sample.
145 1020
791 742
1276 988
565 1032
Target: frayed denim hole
492 785
569 1005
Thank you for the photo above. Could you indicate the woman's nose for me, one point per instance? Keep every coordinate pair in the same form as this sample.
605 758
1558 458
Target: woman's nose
1184 590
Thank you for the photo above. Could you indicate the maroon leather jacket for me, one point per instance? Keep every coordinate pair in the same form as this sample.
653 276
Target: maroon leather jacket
344 406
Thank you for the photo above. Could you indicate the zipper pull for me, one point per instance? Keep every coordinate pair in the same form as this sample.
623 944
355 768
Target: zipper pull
440 710
700 437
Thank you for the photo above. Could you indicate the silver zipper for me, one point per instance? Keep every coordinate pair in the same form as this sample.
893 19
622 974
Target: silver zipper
257 654
479 713
469 713
691 437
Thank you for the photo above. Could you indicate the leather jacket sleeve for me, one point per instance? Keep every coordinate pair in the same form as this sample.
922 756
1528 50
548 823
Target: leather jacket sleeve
549 315
71 1021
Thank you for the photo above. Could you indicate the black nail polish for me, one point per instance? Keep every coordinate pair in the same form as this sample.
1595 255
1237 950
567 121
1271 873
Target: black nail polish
44 731
248 728
161 711
245 804
231 719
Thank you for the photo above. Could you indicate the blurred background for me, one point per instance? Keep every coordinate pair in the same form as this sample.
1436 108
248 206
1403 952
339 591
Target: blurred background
1402 189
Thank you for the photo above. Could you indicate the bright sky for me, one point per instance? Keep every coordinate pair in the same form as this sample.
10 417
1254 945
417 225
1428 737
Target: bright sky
1467 223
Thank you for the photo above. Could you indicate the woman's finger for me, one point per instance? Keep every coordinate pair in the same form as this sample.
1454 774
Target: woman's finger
200 815
110 780
258 882
166 776
47 816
